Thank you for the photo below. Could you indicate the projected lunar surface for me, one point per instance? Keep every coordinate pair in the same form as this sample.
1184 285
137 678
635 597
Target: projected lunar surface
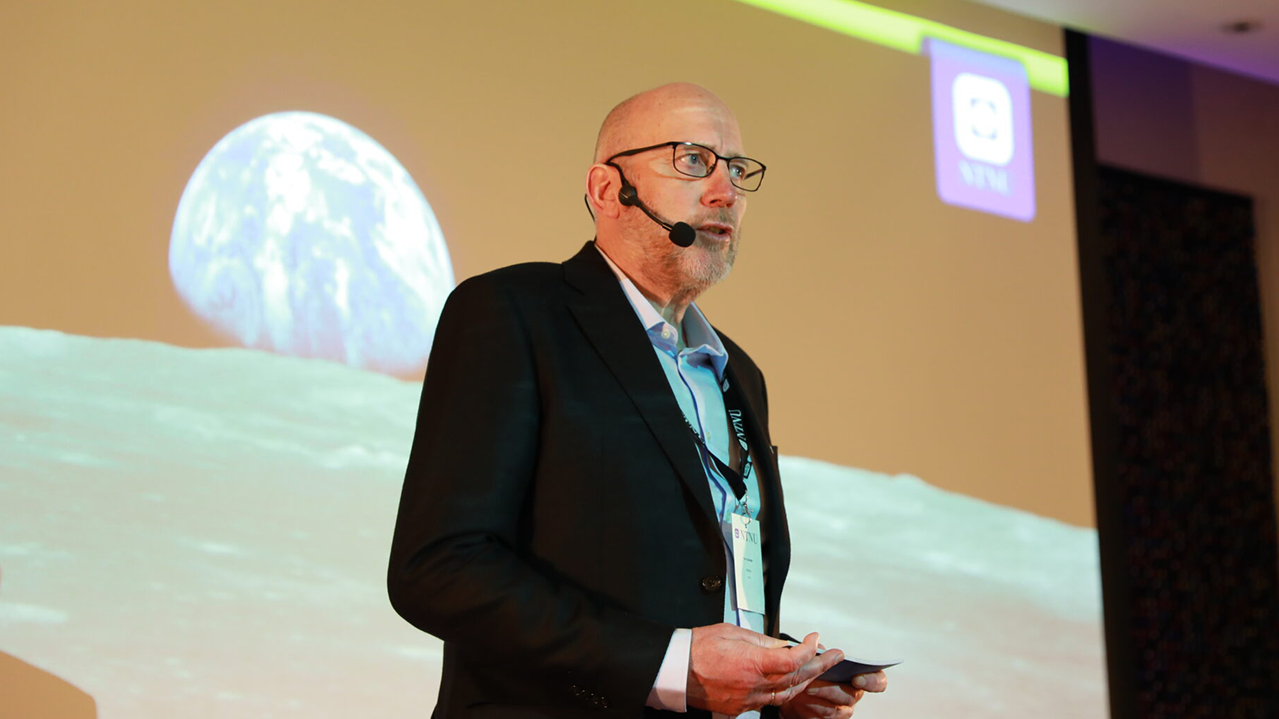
204 533
301 235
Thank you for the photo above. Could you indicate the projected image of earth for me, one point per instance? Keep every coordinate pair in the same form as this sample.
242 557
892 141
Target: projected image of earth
301 235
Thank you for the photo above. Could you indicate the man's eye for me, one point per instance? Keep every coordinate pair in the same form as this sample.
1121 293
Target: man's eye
692 159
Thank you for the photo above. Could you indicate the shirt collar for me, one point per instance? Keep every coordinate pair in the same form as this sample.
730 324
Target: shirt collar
700 337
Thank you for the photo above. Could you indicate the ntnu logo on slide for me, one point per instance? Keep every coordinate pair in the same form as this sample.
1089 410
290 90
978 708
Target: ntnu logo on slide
982 131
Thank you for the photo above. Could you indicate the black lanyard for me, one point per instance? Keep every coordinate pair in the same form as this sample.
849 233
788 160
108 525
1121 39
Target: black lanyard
737 421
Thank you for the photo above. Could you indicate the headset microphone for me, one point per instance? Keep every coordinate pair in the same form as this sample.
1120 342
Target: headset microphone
681 233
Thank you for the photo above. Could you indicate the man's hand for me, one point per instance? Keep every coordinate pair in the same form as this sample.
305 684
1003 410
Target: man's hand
824 700
732 670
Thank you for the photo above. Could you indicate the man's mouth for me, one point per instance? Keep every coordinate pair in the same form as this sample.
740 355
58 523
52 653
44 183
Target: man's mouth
716 230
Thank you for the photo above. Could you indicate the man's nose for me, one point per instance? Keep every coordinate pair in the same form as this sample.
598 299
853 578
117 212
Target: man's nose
720 190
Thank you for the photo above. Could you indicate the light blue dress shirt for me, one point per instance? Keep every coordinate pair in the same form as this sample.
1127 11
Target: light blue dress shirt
695 375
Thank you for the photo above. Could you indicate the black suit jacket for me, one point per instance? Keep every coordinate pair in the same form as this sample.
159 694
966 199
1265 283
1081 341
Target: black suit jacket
556 524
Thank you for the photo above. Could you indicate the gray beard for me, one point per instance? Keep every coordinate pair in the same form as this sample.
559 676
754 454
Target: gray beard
695 269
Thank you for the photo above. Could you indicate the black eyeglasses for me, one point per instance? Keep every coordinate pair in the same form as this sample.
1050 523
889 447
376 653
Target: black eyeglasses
694 160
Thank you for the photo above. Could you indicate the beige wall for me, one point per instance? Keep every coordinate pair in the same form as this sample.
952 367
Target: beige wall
1164 116
898 334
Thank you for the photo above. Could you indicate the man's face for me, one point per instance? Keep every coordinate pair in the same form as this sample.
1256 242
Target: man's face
712 205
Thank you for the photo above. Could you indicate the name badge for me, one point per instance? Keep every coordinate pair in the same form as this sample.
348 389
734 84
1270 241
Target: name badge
748 564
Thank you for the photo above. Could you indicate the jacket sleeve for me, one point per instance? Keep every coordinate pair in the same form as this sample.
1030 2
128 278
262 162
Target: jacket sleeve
456 569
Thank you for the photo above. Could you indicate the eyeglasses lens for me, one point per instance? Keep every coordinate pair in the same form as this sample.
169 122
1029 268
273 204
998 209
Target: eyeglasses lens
745 173
697 161
693 160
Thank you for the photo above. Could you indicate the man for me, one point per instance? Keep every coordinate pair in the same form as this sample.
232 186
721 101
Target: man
568 519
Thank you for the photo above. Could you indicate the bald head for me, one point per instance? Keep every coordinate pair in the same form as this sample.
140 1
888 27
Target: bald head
659 115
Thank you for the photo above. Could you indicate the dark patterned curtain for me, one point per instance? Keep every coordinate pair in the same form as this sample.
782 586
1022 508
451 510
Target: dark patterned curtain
1192 439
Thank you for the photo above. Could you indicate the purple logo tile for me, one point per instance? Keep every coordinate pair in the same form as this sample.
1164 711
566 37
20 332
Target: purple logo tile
981 131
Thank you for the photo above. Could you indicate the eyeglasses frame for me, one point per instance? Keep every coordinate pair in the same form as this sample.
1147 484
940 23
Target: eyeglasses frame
674 144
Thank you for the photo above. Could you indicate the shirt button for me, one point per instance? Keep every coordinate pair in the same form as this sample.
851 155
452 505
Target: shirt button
710 584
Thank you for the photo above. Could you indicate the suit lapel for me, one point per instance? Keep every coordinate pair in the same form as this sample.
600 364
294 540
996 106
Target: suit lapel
608 321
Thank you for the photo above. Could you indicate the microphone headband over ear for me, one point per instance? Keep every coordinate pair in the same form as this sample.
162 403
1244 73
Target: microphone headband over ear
628 195
681 234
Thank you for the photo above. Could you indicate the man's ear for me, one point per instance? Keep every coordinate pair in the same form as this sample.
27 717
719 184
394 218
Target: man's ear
601 190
